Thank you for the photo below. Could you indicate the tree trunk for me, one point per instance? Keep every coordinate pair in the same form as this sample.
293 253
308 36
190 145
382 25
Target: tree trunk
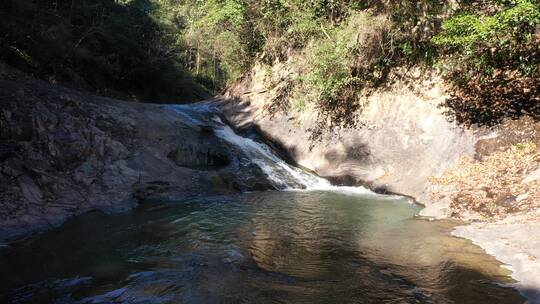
214 67
197 61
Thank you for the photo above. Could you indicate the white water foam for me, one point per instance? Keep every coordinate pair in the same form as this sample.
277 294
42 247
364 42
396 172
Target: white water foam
277 170
283 175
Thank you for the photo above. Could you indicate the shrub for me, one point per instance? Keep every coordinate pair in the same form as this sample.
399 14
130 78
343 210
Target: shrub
349 57
493 63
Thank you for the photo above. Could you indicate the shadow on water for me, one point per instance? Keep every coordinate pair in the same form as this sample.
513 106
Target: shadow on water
271 247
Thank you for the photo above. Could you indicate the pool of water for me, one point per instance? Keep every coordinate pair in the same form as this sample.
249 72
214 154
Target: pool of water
268 247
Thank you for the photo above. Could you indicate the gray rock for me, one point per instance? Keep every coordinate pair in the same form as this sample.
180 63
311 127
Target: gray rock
64 152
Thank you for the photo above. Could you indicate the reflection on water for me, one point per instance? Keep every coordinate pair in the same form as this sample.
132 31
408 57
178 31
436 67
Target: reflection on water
271 247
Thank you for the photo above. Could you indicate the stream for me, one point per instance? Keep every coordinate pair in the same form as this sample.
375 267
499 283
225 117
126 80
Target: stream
321 244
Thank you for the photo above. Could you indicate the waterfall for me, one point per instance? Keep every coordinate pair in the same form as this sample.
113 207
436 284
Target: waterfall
283 175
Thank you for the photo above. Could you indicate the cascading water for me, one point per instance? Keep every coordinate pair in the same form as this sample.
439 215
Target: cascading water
283 175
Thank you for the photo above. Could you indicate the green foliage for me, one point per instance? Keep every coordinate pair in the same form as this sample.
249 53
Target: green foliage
219 38
228 14
161 49
470 30
490 41
284 25
332 59
127 49
349 57
142 46
492 61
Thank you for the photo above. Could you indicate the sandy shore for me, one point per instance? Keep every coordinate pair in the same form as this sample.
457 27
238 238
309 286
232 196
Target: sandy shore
515 241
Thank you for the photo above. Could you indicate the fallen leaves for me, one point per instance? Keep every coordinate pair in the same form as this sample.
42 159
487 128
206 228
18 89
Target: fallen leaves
493 187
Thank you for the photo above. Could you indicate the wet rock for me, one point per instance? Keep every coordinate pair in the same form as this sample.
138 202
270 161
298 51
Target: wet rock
200 156
8 149
205 129
30 191
86 174
151 189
